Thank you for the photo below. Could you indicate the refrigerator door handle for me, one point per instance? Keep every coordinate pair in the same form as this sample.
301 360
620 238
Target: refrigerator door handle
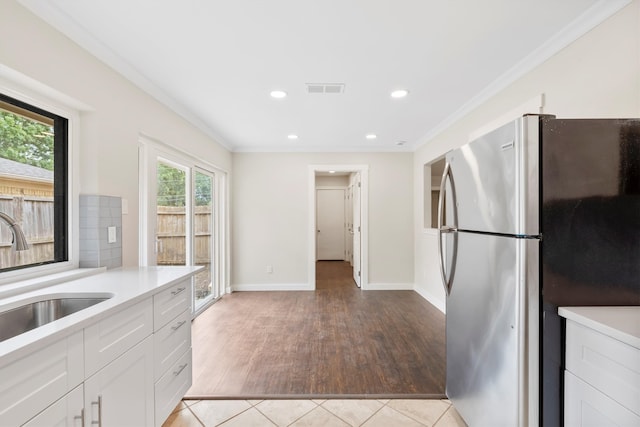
446 175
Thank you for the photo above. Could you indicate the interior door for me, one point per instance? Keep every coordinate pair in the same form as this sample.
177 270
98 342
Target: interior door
357 242
330 209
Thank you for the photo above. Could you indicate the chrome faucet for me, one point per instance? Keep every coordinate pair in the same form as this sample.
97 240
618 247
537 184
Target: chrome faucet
18 235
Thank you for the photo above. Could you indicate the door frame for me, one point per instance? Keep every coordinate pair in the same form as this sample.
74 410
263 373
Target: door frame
364 225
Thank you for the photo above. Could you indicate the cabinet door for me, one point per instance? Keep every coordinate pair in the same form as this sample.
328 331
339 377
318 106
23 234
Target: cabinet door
31 383
585 406
66 412
121 393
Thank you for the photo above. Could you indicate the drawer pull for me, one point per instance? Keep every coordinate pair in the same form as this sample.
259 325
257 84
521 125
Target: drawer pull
178 325
177 291
79 417
180 369
99 403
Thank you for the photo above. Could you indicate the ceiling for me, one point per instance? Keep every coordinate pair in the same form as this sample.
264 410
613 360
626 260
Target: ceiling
215 62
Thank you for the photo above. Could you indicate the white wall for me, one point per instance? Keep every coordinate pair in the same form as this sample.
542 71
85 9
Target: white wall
118 112
270 217
596 76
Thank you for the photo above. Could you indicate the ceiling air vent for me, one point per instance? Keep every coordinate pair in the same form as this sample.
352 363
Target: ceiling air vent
325 87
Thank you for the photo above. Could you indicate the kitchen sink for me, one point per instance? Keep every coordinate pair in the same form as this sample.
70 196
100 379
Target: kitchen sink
29 316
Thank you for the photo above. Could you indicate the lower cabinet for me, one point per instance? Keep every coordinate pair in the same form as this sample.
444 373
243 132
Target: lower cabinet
602 384
172 386
34 382
127 370
66 412
586 406
121 394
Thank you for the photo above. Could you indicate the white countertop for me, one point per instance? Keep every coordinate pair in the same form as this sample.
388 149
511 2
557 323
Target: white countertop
127 286
621 323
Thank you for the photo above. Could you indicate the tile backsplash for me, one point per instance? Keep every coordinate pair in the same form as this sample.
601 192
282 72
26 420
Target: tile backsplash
97 214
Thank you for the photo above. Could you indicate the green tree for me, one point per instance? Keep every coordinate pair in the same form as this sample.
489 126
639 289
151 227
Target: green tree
203 190
171 186
26 141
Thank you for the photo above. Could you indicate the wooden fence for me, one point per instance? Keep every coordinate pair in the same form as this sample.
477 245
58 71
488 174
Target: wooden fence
172 236
172 239
35 217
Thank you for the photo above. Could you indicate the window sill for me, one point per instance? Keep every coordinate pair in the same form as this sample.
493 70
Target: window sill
16 288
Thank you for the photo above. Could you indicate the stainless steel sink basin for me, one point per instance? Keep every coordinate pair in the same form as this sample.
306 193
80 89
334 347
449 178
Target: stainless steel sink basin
29 316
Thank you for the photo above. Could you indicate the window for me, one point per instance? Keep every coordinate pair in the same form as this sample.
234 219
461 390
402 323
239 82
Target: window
33 186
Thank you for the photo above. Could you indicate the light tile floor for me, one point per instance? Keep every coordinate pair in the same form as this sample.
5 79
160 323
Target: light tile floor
311 413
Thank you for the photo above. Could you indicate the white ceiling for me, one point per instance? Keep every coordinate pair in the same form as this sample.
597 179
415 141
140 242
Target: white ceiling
215 62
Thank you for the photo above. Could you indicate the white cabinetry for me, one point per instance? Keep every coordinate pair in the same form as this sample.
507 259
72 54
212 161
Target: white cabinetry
66 412
602 377
128 368
30 384
111 337
172 347
121 393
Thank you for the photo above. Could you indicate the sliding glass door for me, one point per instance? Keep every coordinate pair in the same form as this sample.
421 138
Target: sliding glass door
183 210
204 237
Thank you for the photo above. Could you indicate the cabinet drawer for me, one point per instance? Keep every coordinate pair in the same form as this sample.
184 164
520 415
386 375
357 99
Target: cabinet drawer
172 386
65 412
587 406
170 303
31 384
106 340
609 365
171 342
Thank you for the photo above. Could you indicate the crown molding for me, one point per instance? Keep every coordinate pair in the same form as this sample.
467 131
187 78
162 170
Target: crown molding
591 18
62 22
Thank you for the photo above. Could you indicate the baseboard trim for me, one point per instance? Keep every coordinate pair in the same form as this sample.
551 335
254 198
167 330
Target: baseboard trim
272 287
432 299
388 287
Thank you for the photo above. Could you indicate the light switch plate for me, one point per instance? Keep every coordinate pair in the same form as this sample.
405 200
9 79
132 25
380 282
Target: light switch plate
111 234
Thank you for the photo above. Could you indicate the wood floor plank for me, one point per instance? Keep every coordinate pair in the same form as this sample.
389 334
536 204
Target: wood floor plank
335 341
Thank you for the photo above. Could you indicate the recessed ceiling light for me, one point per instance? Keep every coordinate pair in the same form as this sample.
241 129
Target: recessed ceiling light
400 93
292 136
371 136
278 94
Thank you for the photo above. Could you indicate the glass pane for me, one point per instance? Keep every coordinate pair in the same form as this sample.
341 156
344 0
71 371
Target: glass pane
203 229
26 187
171 216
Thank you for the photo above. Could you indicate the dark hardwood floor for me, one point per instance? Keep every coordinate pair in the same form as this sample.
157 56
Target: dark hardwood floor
336 341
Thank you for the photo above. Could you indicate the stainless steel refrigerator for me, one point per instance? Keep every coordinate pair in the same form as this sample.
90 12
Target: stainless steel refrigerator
539 213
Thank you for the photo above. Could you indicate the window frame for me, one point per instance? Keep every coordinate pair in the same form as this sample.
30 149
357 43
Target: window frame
60 183
27 91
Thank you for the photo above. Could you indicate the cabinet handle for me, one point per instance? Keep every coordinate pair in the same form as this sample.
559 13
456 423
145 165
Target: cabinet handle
177 325
176 373
177 291
79 417
99 403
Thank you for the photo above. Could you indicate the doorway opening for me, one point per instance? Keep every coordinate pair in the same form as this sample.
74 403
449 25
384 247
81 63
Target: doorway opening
338 219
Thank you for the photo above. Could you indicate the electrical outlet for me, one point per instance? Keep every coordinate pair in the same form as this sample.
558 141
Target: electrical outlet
270 269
